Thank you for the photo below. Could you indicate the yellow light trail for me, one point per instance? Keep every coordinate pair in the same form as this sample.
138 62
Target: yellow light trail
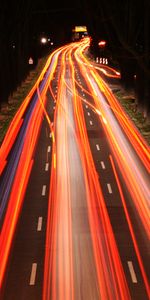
59 270
24 168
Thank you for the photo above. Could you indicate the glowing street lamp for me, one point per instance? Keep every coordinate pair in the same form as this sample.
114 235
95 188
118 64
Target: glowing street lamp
43 40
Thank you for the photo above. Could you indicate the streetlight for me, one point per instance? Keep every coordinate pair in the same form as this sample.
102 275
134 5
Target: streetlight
43 40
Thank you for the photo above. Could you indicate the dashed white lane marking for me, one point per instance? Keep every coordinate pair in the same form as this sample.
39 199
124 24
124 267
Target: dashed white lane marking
97 147
48 148
109 188
132 272
46 166
91 123
43 190
83 95
103 165
50 135
33 274
86 106
88 114
39 225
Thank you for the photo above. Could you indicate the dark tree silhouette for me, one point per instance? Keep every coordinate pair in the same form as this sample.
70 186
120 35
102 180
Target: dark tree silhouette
14 45
125 25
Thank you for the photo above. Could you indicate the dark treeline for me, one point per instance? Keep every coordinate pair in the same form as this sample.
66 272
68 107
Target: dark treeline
125 25
14 31
18 42
22 24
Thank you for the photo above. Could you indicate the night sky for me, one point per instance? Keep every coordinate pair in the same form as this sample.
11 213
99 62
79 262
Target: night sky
58 20
54 18
109 18
124 24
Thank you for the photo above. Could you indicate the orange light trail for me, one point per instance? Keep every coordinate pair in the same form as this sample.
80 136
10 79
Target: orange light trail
59 214
111 278
25 164
105 249
138 185
71 156
108 71
131 228
17 120
131 131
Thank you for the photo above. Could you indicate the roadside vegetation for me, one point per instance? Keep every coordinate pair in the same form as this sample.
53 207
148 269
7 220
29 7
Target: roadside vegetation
128 102
126 99
9 109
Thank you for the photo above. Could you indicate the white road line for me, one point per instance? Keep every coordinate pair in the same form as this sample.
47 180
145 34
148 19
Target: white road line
44 190
50 135
109 188
88 114
132 272
86 106
98 147
46 166
39 225
33 274
103 165
48 148
91 123
83 95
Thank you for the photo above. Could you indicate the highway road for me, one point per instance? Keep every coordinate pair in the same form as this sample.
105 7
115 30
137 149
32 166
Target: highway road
74 189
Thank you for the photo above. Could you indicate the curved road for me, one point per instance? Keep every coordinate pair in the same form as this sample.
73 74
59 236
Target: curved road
81 230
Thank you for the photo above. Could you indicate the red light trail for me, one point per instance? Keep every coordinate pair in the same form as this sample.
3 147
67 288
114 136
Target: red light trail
81 251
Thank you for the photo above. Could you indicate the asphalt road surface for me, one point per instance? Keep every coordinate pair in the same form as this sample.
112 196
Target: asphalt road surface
74 190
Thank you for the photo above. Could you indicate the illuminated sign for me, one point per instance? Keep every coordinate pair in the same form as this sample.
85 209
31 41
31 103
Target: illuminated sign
30 61
80 29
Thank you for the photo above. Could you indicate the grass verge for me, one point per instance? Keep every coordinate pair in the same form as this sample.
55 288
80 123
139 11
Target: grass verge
9 109
128 102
